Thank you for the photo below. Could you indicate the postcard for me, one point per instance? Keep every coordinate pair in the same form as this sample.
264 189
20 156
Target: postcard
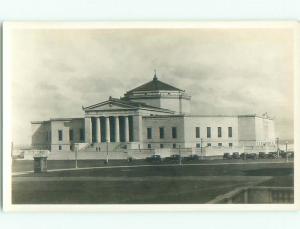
150 116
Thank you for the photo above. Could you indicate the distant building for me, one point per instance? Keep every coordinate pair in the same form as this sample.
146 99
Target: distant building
151 116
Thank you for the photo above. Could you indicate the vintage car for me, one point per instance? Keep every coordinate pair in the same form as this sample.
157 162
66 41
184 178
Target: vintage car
193 157
227 156
272 155
236 155
154 158
174 157
262 155
251 156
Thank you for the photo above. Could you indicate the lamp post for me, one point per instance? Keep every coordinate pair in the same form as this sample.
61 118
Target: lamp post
277 143
286 153
76 159
201 141
179 155
106 151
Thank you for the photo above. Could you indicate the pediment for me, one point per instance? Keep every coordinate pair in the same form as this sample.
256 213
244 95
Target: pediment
109 105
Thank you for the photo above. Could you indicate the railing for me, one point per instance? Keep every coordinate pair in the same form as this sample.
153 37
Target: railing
257 195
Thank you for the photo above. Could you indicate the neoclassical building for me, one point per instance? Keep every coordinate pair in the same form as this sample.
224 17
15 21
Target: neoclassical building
154 115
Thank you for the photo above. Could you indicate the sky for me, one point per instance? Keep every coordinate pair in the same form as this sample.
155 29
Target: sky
226 71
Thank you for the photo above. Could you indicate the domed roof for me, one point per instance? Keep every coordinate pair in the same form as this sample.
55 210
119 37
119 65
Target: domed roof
154 85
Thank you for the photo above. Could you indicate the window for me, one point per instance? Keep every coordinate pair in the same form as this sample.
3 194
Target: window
161 132
161 146
71 134
149 133
219 144
60 135
174 132
198 145
197 132
71 147
230 144
230 132
149 146
174 146
208 132
208 144
59 147
81 134
219 132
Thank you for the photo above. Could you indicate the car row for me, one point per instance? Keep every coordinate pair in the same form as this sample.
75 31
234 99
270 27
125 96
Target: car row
260 155
172 158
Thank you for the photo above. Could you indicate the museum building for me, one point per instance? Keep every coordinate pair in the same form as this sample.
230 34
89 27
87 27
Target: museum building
155 115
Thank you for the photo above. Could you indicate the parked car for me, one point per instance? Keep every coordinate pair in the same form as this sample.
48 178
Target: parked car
154 158
236 155
174 157
262 155
251 156
289 154
272 155
227 156
193 157
243 156
129 159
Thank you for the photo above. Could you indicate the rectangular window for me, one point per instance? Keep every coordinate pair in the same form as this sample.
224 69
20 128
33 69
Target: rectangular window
161 132
174 132
71 133
197 132
230 144
208 132
81 134
149 133
161 146
149 146
198 145
208 144
60 135
230 132
174 146
219 144
219 132
59 147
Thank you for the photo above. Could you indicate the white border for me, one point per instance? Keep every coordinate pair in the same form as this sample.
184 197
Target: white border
8 26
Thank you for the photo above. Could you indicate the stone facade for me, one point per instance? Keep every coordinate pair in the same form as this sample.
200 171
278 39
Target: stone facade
152 116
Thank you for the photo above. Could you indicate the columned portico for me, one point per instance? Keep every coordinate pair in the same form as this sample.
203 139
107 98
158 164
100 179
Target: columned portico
113 128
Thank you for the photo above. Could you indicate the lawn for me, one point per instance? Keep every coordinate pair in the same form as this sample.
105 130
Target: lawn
137 185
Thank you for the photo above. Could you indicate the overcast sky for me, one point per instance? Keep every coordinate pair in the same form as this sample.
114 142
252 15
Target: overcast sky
226 71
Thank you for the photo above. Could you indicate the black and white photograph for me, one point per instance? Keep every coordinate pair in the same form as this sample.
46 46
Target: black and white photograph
150 114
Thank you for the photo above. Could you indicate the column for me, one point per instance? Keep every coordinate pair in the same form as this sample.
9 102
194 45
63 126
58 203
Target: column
117 129
107 125
98 130
88 130
126 126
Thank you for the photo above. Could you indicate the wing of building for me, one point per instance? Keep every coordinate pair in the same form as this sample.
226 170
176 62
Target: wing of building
155 115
